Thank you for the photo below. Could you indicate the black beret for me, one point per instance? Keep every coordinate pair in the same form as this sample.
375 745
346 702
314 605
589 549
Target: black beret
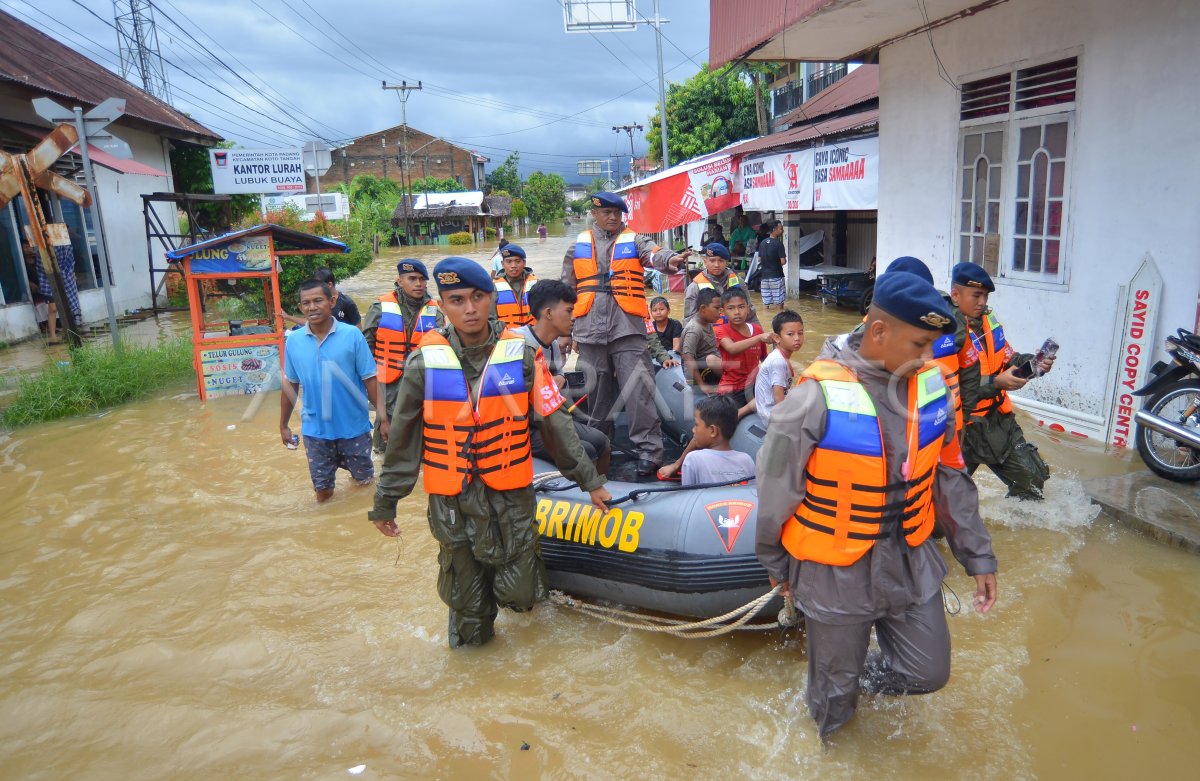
455 273
912 300
608 201
972 275
911 265
412 266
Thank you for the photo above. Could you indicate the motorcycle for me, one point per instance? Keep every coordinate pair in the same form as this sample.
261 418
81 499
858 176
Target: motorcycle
1168 425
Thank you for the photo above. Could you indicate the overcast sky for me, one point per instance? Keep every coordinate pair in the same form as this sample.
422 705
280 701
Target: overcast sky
498 75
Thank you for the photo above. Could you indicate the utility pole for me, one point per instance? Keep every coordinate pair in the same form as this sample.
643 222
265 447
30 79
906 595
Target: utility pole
628 130
402 91
662 85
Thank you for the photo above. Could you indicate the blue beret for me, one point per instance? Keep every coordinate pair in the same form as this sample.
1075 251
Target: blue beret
912 300
718 249
512 249
609 201
972 275
911 265
412 266
456 273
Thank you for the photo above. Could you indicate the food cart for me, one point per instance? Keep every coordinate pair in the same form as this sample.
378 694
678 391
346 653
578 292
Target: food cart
233 294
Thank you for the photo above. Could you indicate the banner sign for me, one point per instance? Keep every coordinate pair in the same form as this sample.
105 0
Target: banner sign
782 182
240 371
245 254
689 195
1142 297
257 171
846 175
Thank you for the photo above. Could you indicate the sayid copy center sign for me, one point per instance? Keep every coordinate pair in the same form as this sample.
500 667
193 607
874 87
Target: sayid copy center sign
257 171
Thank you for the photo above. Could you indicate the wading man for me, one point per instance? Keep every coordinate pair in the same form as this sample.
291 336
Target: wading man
463 412
849 483
987 364
393 327
332 363
605 267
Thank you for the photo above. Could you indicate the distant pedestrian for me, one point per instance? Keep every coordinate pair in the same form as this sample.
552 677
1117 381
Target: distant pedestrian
542 232
332 363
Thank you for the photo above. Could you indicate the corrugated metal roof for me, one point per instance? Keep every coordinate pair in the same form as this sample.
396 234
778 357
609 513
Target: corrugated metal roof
285 239
858 86
34 61
798 135
737 27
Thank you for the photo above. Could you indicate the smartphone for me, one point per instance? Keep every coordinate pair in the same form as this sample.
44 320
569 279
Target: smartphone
1024 371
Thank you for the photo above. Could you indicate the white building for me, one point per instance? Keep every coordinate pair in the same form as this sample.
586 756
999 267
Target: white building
42 67
1056 143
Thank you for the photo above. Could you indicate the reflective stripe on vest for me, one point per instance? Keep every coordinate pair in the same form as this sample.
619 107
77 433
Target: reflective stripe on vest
946 357
845 508
509 310
480 432
626 281
392 343
994 354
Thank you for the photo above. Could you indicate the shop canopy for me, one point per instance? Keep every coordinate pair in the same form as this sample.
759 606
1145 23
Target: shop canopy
247 251
684 193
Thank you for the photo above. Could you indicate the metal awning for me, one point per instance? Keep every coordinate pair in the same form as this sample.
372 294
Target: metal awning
286 241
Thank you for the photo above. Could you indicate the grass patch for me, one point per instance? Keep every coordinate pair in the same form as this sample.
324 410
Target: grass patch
97 378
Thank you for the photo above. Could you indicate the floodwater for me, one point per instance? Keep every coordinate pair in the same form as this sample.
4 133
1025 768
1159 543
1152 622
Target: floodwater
176 606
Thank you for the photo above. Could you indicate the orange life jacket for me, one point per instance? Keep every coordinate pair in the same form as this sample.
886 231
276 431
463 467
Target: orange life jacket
510 310
845 508
626 279
993 352
481 431
392 341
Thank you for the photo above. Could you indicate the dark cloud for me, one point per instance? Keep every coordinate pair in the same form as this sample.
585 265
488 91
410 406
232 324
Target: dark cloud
498 75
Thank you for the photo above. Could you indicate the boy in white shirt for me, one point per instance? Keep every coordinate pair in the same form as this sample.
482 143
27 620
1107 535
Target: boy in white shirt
776 374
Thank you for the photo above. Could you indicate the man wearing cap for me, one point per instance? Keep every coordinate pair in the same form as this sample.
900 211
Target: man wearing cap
716 275
512 288
462 419
394 326
606 269
991 434
849 483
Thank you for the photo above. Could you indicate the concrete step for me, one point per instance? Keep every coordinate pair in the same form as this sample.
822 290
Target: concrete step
1169 512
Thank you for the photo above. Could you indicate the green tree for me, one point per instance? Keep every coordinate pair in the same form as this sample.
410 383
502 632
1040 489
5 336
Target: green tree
545 196
519 210
704 114
506 177
192 173
432 184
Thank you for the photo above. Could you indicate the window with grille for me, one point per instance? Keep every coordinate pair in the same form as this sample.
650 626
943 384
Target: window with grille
1014 149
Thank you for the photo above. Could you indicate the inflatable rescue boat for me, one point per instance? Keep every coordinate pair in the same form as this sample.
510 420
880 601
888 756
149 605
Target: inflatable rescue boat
664 548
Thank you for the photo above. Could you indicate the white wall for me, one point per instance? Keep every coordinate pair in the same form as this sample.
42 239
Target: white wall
1133 169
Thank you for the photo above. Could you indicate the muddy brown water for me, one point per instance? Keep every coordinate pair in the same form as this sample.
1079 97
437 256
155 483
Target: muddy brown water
176 606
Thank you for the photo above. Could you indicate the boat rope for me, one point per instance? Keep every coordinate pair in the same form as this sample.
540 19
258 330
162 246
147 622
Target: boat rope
541 485
733 621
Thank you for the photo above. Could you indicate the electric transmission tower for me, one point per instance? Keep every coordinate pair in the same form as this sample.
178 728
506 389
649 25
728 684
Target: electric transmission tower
137 41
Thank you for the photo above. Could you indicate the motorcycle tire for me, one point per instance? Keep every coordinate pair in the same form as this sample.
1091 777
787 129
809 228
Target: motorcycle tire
1165 456
868 297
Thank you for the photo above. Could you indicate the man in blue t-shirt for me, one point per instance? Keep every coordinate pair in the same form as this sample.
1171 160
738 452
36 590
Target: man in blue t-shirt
333 364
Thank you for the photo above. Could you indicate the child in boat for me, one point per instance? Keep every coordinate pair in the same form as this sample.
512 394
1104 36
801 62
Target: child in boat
776 374
743 347
698 344
668 330
713 460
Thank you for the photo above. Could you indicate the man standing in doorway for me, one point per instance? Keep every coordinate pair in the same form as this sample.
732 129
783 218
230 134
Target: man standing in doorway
605 267
772 255
333 364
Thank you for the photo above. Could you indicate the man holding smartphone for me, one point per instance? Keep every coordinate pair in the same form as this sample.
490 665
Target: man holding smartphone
989 368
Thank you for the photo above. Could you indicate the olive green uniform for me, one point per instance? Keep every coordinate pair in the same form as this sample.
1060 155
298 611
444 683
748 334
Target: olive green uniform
489 556
996 439
410 308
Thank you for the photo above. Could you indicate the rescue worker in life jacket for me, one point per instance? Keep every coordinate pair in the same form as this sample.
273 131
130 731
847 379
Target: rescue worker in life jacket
463 412
991 434
716 275
512 288
849 483
605 267
394 326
